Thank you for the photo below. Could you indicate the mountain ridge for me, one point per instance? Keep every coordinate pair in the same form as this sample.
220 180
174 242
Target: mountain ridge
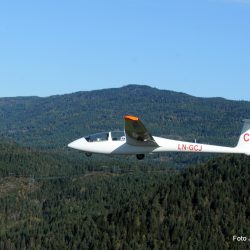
128 86
54 121
57 200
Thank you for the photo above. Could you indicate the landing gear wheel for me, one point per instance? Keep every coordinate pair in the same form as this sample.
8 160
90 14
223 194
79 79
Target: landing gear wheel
88 154
140 156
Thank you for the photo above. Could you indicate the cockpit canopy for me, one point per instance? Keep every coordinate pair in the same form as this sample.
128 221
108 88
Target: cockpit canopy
105 136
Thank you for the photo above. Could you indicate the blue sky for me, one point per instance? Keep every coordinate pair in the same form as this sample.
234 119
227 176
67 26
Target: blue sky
53 47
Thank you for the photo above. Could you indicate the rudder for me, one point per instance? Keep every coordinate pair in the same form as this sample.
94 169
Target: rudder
244 141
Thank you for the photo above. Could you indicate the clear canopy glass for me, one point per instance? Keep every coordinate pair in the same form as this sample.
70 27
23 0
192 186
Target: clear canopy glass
118 135
104 136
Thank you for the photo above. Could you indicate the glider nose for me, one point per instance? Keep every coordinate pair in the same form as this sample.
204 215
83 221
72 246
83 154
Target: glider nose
77 144
72 144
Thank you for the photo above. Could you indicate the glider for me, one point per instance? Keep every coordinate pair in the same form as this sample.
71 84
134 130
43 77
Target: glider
137 140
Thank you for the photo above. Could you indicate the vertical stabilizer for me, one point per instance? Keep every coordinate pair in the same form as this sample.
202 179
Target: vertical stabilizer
244 141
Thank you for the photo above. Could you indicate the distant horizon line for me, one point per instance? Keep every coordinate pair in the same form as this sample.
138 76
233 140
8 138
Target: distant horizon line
123 86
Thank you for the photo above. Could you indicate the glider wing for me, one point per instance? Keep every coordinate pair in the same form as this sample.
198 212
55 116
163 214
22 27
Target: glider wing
136 132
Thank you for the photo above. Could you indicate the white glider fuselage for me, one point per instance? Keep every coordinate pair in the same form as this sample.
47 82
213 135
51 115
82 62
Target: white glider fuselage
165 145
138 141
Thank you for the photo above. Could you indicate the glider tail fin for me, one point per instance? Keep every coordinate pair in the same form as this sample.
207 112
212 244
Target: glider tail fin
244 141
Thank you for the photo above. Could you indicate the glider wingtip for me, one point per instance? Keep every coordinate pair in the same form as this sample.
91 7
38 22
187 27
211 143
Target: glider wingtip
130 117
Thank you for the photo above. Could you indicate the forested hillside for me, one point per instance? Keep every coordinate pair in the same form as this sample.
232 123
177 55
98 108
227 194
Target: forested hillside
52 197
16 160
198 208
54 121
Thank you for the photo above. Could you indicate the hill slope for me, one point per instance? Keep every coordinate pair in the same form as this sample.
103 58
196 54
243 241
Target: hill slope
203 206
54 121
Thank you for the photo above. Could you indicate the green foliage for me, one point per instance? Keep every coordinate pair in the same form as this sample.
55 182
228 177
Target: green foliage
52 197
54 121
198 208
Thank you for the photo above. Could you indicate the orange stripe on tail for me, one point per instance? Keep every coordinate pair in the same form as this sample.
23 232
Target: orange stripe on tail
130 117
